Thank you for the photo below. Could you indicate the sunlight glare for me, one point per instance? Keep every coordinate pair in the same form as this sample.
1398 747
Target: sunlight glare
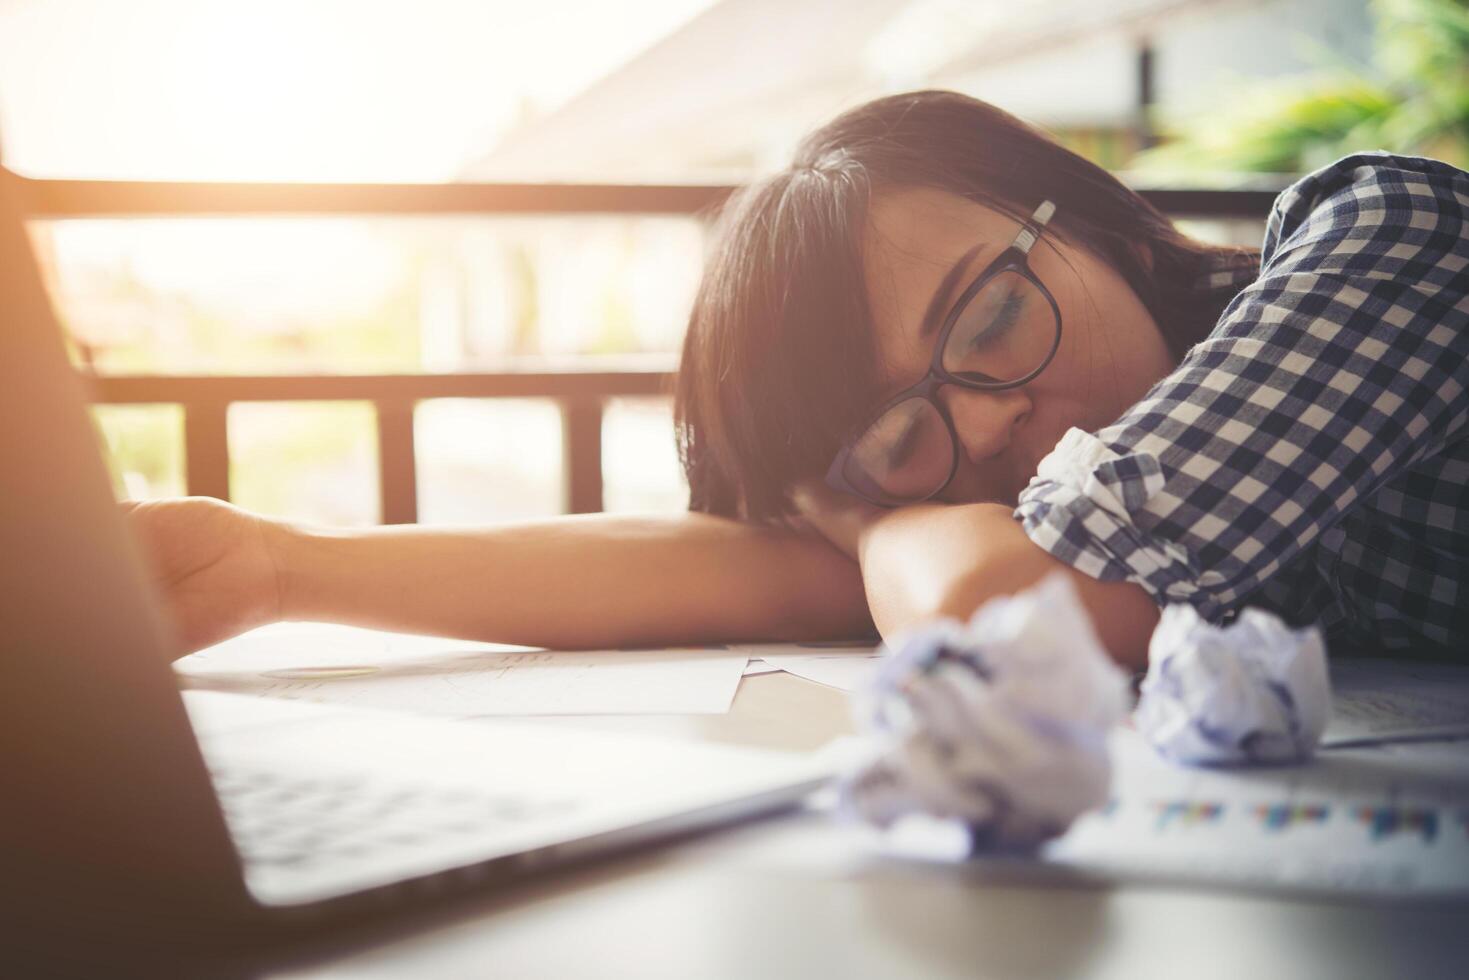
301 90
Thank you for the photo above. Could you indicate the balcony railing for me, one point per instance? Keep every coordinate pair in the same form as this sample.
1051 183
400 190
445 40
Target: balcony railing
580 394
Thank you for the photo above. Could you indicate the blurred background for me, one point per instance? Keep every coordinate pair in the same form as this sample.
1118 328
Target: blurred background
1179 93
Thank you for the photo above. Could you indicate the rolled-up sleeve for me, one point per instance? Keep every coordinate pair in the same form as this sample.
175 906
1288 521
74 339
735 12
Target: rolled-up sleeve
1344 364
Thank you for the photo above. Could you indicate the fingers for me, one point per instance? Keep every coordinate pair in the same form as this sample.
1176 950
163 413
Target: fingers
811 495
815 497
841 518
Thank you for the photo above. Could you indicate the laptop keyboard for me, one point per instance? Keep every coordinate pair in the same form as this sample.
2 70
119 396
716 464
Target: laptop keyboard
286 821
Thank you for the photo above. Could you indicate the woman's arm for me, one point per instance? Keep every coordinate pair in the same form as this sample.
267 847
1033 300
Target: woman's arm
930 560
589 581
1318 419
595 581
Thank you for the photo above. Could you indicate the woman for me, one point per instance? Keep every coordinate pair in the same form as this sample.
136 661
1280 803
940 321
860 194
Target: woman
940 356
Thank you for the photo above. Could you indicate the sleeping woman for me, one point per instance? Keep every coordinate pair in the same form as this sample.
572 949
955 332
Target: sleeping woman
940 356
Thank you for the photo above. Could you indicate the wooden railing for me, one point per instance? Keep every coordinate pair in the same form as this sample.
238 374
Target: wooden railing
580 394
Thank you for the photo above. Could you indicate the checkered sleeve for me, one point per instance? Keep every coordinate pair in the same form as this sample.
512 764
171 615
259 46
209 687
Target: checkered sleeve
1343 365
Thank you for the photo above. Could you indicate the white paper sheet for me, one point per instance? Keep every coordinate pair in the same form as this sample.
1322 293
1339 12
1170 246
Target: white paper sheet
845 667
345 665
1382 698
289 645
758 666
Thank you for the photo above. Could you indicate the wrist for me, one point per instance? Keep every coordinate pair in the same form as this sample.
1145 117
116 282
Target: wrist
283 545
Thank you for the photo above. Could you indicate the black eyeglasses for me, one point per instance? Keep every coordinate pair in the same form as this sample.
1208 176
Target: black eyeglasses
1002 332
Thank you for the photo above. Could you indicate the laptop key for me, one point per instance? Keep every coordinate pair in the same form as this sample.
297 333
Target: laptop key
278 821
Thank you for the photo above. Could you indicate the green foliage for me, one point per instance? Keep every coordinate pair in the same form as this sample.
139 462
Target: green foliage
1414 98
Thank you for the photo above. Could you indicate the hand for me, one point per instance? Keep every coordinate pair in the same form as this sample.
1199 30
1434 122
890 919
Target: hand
841 518
213 564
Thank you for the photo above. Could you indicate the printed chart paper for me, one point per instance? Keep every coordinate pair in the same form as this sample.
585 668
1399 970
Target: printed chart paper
1386 819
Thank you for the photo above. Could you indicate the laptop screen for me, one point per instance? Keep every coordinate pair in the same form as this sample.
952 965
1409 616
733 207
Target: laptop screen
103 778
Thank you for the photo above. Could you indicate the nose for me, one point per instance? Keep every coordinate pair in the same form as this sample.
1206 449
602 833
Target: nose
985 420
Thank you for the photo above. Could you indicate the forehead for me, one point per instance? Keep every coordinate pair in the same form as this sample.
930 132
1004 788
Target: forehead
913 237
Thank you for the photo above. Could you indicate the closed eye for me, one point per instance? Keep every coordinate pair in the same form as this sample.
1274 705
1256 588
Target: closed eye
902 449
1005 317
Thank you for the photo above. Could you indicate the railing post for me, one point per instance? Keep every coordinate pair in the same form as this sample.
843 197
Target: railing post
581 442
397 469
206 449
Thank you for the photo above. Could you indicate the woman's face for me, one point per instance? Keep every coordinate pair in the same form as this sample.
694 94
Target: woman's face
1111 350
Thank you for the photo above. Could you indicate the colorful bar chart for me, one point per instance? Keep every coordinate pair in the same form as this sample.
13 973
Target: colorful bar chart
1385 822
1187 813
1378 820
1276 817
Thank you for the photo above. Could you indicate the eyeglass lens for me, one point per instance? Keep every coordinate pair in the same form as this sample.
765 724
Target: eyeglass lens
905 455
1004 333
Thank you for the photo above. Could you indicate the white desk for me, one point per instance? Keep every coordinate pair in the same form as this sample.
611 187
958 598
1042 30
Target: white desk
786 898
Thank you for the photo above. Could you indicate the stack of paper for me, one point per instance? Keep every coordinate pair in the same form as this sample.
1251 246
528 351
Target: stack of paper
369 668
1375 700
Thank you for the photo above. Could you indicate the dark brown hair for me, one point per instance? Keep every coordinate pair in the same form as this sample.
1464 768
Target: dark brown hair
779 359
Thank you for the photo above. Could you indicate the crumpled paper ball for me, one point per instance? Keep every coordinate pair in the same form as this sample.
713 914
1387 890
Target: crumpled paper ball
1255 691
1000 723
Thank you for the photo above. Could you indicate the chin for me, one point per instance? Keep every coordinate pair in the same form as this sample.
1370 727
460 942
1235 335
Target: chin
1008 500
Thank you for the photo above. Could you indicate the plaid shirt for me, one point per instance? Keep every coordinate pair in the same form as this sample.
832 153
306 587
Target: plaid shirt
1311 455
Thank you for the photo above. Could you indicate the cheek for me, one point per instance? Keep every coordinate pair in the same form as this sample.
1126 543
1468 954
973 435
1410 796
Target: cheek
1088 372
1068 379
1056 407
1071 391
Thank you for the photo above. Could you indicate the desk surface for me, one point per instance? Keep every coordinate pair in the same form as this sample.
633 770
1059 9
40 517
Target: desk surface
789 897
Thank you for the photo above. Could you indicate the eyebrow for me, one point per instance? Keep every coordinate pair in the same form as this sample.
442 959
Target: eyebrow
939 305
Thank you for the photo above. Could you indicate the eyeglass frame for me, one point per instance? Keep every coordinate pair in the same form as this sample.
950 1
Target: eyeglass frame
1015 258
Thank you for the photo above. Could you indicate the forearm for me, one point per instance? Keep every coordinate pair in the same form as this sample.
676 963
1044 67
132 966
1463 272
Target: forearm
592 581
932 560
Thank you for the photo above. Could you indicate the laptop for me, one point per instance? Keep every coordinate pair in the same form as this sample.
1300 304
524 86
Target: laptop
128 805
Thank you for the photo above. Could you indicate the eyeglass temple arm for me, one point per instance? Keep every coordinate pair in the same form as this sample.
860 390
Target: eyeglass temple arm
1032 230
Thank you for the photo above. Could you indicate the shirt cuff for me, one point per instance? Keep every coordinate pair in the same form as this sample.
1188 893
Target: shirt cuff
1081 507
